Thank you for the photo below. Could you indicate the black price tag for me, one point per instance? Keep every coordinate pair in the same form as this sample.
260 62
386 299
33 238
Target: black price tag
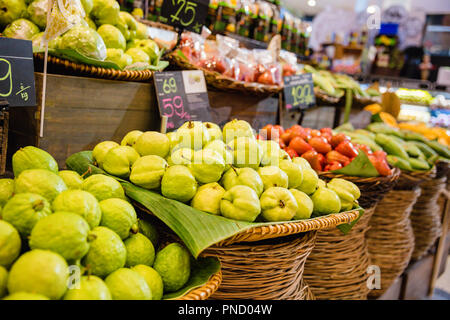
182 96
17 72
185 14
299 92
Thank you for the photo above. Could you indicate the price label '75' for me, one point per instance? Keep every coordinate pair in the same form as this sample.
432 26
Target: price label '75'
186 14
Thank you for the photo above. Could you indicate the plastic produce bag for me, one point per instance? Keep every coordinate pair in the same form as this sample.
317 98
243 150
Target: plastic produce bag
85 41
37 12
21 29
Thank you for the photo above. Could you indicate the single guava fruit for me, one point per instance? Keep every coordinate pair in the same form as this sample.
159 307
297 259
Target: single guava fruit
152 143
147 171
173 139
105 12
6 191
118 161
178 183
207 166
21 29
215 133
40 181
80 202
153 279
309 182
240 203
106 254
278 204
25 296
325 201
90 288
3 281
274 158
65 233
302 162
130 138
84 40
305 204
182 156
208 198
71 178
272 176
140 250
10 244
41 272
129 20
126 284
87 5
246 152
119 216
138 55
142 31
11 10
149 47
117 56
24 210
321 183
294 172
244 177
236 129
148 230
90 23
37 12
193 135
112 37
103 187
101 149
221 148
32 158
174 266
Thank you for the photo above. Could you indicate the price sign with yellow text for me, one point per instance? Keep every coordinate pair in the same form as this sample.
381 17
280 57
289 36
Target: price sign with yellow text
299 92
17 72
185 14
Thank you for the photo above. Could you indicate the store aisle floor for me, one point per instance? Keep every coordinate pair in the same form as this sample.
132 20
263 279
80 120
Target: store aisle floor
442 290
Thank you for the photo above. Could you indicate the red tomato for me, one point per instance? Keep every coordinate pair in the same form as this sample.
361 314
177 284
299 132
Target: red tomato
299 145
337 139
347 149
291 152
320 144
313 158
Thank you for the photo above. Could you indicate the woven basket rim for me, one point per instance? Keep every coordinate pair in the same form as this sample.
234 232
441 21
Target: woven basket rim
206 290
98 72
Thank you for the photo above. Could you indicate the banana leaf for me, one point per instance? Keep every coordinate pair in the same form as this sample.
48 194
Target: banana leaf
201 270
198 230
359 167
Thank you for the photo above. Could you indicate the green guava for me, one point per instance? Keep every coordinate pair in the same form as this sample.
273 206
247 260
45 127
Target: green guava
10 244
90 288
32 158
147 171
149 46
305 204
180 156
193 135
130 138
310 180
24 210
278 204
87 5
106 254
153 279
6 191
174 266
41 272
25 296
236 129
112 37
119 216
240 203
138 55
3 281
105 12
126 284
103 187
40 181
119 160
215 133
21 29
152 142
62 232
11 10
325 201
90 23
244 177
207 166
208 198
101 149
142 31
140 250
85 41
246 152
148 230
178 183
294 172
37 12
71 178
80 202
272 176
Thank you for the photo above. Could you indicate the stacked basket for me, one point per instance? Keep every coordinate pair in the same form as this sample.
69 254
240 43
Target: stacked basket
337 267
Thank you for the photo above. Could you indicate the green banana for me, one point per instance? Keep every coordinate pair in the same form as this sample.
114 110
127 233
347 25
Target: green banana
426 150
365 133
368 142
419 164
414 136
391 146
380 127
439 148
399 163
413 150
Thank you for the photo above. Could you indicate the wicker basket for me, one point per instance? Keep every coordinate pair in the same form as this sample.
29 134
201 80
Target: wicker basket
221 82
265 270
409 180
425 216
336 269
390 238
205 291
63 66
4 128
372 189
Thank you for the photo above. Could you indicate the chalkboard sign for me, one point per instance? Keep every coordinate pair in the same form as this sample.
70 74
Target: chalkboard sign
185 14
299 92
17 72
182 96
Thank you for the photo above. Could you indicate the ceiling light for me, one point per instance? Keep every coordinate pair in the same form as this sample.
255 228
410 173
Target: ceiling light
311 3
371 9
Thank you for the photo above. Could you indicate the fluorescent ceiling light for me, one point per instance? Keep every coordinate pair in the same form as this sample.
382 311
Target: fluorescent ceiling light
371 9
311 3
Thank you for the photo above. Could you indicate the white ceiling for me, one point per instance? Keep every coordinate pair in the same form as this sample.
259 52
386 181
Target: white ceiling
301 6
